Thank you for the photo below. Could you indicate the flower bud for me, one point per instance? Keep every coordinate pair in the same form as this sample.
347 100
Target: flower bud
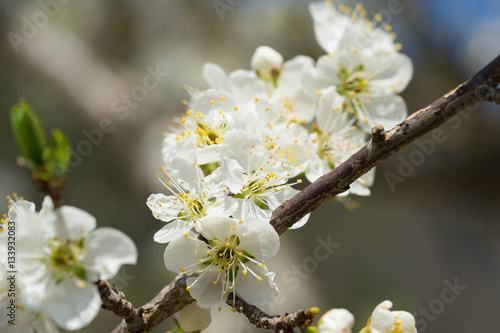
336 321
28 132
58 155
383 320
267 63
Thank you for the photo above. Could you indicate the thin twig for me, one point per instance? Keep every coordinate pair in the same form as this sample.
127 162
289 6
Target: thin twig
260 319
53 188
114 300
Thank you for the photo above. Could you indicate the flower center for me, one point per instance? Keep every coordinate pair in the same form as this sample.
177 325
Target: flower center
65 259
208 136
196 205
226 259
352 83
226 255
257 186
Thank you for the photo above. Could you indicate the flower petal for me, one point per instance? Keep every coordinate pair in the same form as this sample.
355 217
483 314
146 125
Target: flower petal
260 239
171 231
205 291
232 175
70 305
184 251
329 25
218 227
253 291
388 110
215 76
162 207
107 250
394 72
78 222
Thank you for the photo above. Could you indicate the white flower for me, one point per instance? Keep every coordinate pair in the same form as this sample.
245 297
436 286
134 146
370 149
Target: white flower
385 321
207 197
243 85
212 116
336 321
267 62
363 65
230 260
285 96
14 316
192 318
290 143
368 82
258 180
60 255
290 101
350 29
336 138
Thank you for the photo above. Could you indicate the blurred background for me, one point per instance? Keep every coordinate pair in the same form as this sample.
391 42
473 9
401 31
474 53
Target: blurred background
75 61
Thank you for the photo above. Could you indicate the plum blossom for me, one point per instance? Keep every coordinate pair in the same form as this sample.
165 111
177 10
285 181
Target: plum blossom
230 260
204 128
208 196
59 262
336 138
363 64
383 320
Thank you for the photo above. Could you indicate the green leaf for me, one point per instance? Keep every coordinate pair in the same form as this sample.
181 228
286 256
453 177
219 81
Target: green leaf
58 154
28 132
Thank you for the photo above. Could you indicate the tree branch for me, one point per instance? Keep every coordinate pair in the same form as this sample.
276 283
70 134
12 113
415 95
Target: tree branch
168 301
481 87
174 297
283 324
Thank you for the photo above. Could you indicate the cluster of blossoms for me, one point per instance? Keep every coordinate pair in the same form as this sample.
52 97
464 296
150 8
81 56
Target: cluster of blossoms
53 257
243 142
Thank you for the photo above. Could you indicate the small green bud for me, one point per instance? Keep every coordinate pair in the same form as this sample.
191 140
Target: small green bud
58 154
310 329
29 134
315 311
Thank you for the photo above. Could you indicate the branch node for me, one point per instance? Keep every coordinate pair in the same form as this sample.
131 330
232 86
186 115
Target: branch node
378 135
488 93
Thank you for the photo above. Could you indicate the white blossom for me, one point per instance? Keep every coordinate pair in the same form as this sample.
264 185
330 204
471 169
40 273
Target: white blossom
211 117
385 321
58 263
336 138
208 196
230 260
336 321
363 64
267 62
